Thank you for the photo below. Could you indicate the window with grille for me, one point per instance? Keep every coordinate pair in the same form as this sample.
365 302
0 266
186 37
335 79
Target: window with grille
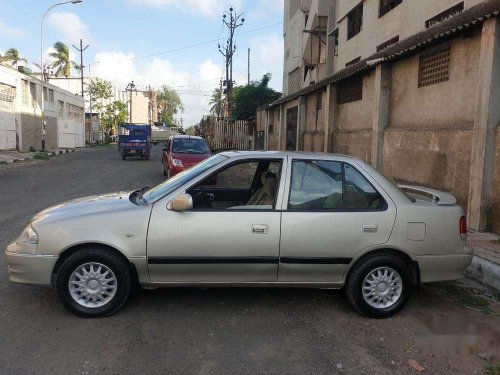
445 15
387 5
294 7
353 61
388 43
33 92
7 93
336 42
434 66
60 108
25 91
355 21
319 100
294 81
350 90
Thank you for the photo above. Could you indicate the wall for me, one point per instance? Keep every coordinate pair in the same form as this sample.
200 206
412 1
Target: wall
404 20
494 213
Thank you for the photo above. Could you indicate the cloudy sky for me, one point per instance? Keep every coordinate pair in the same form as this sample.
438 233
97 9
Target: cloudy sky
154 42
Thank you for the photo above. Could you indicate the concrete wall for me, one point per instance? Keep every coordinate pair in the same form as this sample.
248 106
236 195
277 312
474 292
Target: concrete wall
434 105
494 212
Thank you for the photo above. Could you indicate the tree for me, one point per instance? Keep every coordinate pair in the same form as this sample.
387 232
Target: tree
246 99
216 102
169 104
13 56
114 114
99 90
62 61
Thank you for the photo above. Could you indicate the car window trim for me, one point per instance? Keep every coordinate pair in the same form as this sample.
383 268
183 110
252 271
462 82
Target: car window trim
318 210
241 161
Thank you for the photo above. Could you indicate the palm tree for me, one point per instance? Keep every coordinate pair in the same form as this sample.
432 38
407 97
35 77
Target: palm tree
216 102
62 61
12 55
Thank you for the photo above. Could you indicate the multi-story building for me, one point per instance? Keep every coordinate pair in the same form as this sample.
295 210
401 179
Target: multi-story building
20 114
412 87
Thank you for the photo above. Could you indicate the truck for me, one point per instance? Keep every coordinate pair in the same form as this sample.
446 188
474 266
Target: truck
134 140
161 135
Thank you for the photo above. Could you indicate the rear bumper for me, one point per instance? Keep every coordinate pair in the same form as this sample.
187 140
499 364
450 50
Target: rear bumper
443 267
132 152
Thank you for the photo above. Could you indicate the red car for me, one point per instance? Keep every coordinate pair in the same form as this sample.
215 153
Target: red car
182 152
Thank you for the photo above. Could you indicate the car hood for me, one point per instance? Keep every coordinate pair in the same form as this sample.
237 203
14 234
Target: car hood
190 159
86 206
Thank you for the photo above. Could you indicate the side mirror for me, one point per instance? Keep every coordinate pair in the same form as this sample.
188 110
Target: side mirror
182 202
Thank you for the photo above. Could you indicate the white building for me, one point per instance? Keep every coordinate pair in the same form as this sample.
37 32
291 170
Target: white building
20 114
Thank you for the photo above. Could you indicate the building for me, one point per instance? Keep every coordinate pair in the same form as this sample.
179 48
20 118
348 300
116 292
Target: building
20 114
143 107
412 87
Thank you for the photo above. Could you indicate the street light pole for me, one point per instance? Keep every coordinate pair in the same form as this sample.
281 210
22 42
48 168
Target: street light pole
42 78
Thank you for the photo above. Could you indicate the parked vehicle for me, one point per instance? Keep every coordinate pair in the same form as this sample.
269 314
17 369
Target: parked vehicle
162 134
248 219
182 152
134 140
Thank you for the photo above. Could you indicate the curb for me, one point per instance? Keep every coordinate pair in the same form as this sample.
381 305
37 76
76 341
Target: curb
52 153
484 271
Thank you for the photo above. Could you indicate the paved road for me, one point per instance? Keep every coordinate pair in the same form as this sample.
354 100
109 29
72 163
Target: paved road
211 331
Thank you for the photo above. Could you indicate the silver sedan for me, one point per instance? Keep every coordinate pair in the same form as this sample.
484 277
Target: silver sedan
270 219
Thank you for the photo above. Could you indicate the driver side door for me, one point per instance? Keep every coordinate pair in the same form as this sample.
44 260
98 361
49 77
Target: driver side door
220 239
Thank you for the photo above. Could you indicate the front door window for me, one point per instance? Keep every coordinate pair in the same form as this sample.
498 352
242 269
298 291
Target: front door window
248 185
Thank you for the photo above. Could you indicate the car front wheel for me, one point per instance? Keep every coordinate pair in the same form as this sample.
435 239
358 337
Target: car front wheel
379 286
94 282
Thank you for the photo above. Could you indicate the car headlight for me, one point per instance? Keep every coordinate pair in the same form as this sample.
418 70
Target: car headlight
29 236
177 162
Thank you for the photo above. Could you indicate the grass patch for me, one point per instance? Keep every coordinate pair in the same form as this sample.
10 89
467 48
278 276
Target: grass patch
491 369
41 156
468 299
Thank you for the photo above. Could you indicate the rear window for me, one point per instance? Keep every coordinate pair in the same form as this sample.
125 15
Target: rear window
190 146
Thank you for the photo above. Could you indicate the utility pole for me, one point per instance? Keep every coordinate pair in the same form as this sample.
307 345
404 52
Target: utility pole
235 21
248 66
81 49
131 87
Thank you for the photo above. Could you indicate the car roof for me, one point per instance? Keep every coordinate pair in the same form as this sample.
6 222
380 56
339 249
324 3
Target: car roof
294 154
182 136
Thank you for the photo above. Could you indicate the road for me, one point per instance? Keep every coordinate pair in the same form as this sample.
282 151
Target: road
214 331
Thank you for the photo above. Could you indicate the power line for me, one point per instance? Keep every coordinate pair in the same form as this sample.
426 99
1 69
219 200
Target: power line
192 45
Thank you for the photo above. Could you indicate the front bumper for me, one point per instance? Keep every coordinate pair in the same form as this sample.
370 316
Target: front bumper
29 268
443 267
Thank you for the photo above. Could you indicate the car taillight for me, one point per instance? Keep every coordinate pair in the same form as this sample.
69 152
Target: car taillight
463 228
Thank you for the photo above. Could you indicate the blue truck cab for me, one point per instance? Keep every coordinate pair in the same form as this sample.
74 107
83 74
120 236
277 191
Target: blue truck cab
134 140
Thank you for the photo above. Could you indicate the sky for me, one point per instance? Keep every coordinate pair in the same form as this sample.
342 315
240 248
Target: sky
153 42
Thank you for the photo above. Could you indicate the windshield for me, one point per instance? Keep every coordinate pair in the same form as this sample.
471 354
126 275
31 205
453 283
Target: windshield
180 179
190 146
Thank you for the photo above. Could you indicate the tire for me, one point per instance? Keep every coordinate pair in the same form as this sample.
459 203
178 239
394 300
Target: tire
101 260
147 157
373 266
123 157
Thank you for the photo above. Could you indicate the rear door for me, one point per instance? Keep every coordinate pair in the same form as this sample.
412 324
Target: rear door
332 212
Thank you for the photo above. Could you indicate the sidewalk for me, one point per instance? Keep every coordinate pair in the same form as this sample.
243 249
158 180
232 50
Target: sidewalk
485 266
8 157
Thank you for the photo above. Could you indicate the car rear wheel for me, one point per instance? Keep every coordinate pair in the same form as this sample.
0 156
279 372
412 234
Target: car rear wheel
94 282
123 157
379 286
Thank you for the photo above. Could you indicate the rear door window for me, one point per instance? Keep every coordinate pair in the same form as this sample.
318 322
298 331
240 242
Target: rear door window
331 185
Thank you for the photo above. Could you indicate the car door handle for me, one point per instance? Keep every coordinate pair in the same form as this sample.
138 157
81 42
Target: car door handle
259 228
370 228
